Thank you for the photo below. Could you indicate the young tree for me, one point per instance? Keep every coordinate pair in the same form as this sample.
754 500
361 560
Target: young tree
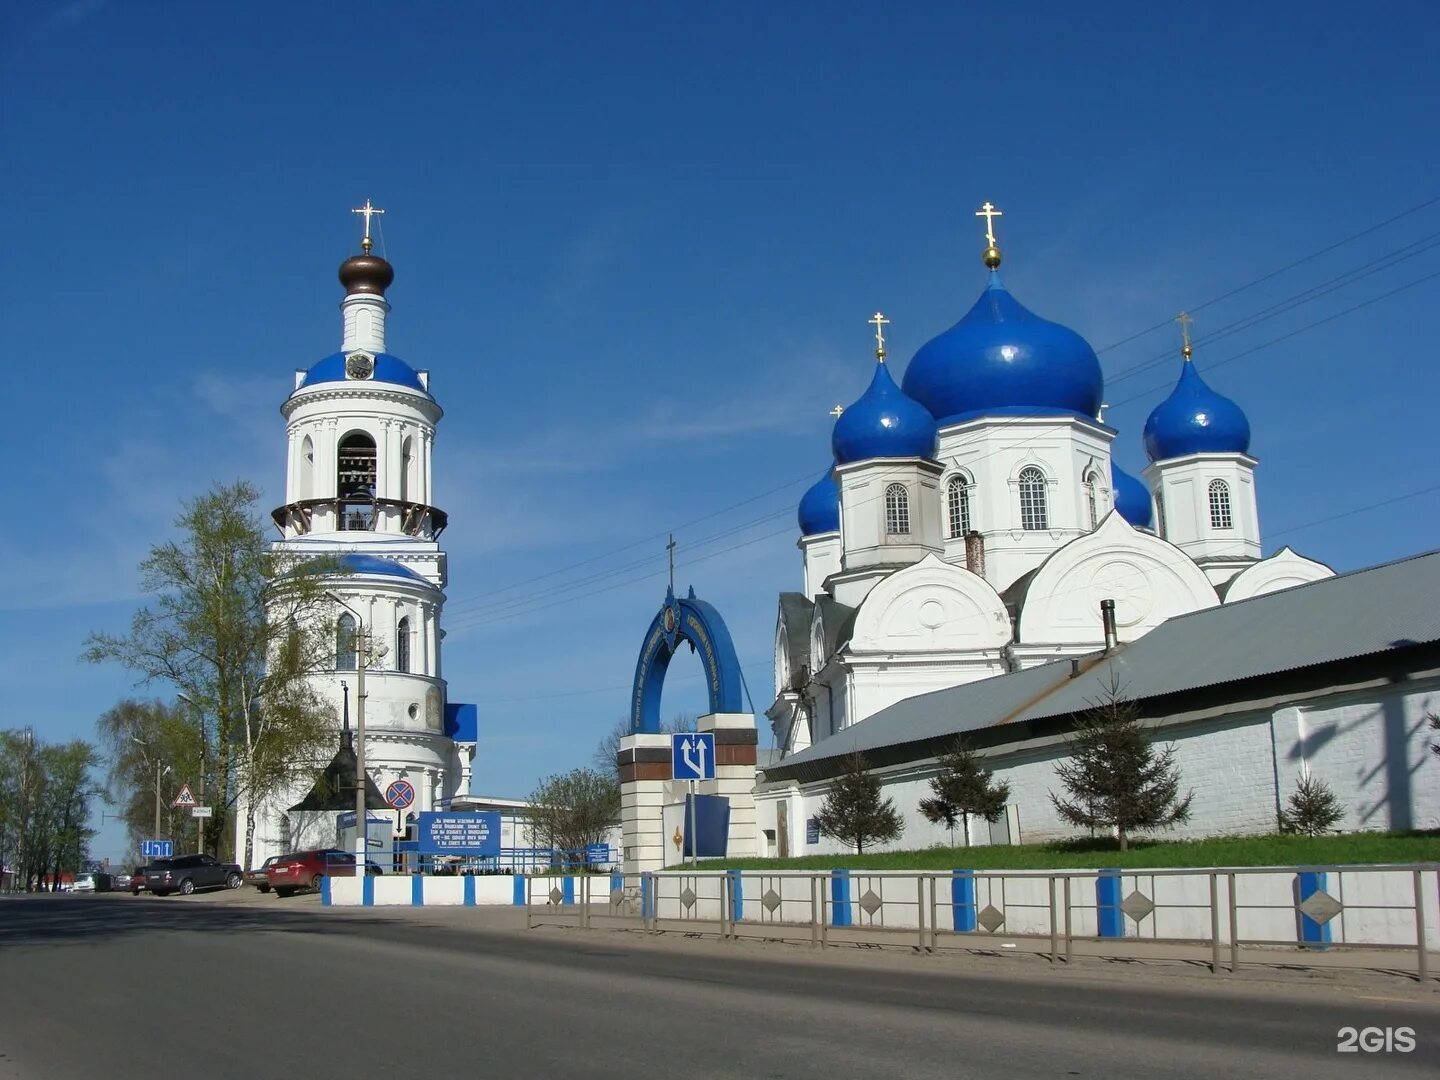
854 812
1115 778
570 811
237 628
962 788
141 739
1311 809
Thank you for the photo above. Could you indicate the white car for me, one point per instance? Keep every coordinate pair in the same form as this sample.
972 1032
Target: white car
83 883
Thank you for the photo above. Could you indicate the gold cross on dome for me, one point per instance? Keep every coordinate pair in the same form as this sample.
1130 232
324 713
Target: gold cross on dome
879 322
837 410
1185 321
367 211
989 212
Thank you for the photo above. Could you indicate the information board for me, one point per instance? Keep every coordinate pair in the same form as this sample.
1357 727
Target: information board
812 831
458 833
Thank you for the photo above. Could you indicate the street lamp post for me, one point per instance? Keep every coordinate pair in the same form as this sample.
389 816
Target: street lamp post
200 779
158 774
362 660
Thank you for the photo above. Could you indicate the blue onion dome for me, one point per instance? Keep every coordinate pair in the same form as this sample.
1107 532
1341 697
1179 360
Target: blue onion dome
884 423
1002 359
820 506
1195 420
1132 497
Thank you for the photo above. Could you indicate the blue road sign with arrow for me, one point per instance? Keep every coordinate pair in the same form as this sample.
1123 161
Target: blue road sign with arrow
692 755
157 849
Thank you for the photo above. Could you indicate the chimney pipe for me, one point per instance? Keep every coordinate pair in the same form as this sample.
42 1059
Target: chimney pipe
1107 619
1074 667
975 553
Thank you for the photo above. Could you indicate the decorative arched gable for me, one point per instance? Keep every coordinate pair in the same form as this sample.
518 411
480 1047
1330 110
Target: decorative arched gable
931 606
1149 579
1280 571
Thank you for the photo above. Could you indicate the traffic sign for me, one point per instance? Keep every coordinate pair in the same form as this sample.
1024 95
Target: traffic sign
185 798
202 811
400 794
157 849
692 755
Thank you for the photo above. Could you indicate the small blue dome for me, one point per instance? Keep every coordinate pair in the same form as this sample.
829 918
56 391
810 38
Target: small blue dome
388 369
373 564
1003 359
884 423
1132 497
1195 420
820 506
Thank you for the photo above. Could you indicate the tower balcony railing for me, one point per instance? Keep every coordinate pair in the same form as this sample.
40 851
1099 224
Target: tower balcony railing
360 514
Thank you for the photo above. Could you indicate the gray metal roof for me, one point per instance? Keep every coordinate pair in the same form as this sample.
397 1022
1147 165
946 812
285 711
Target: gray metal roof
1357 614
796 610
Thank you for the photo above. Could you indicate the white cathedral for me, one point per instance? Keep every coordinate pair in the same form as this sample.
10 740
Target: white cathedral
974 520
360 429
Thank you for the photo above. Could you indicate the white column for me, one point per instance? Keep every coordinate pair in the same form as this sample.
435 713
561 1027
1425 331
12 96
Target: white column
642 800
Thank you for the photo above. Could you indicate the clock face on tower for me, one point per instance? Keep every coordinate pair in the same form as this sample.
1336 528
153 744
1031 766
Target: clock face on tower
359 365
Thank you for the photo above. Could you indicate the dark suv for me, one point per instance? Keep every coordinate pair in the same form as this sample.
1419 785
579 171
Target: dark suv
186 873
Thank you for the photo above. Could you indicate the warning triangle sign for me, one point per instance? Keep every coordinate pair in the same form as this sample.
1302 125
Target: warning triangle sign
185 798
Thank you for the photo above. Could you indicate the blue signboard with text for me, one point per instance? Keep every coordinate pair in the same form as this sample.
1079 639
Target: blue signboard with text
441 833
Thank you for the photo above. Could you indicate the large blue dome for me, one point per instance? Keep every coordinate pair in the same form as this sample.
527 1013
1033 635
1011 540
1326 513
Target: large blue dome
1195 420
388 369
884 423
1132 497
820 506
1003 359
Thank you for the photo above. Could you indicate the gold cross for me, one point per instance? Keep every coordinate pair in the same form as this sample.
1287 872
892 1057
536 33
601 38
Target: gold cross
837 410
670 547
989 213
879 322
1185 320
367 211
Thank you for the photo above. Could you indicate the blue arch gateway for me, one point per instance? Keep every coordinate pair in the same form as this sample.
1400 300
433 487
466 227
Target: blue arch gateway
699 624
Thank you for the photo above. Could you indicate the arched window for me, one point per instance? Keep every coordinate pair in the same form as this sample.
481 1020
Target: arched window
957 506
1033 512
307 468
408 487
355 481
402 644
897 510
345 651
1092 485
1220 516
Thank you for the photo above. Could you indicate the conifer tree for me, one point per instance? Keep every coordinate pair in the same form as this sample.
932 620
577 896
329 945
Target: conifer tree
1115 777
962 788
1311 809
854 811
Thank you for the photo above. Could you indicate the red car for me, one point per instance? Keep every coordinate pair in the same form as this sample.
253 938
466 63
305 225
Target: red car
298 870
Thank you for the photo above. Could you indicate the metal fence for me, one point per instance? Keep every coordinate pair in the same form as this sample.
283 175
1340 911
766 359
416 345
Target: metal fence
1222 919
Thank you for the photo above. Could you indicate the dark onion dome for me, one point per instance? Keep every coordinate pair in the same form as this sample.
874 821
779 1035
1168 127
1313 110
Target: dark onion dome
884 423
820 506
388 369
366 274
1002 359
1132 497
1195 420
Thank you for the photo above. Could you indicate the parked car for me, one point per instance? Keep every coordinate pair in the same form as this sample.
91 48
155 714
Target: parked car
122 881
187 873
261 878
137 879
83 883
308 869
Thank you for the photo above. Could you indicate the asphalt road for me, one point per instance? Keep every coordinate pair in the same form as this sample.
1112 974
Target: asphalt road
115 987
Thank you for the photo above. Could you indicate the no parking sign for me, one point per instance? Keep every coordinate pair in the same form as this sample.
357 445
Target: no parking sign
400 794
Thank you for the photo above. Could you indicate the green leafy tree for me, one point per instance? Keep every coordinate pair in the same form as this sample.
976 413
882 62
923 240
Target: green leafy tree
46 793
1115 778
963 787
1311 809
572 810
855 812
143 739
237 628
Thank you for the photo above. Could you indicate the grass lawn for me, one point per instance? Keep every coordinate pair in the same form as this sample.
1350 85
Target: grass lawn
1275 850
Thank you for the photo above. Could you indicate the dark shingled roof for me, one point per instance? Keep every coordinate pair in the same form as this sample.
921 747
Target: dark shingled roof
335 787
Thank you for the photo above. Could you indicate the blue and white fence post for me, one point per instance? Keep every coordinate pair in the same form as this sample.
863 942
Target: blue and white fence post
962 900
1311 933
737 895
840 914
1109 917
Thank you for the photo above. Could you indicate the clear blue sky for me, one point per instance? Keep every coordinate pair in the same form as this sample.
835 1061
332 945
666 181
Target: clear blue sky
636 245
